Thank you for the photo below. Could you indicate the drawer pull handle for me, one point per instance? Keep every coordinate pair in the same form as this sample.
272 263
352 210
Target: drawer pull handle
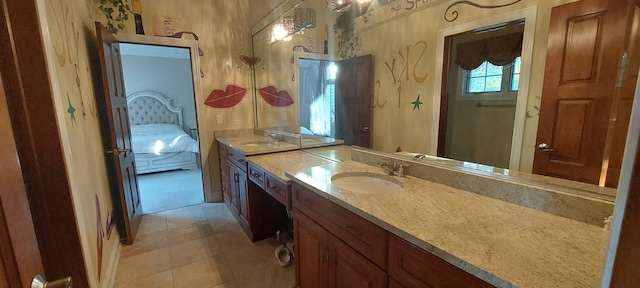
257 175
353 231
274 188
306 202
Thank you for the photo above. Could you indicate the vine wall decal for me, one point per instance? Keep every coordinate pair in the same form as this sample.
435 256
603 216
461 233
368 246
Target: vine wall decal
453 15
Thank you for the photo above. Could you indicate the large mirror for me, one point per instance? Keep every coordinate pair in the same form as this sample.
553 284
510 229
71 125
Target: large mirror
448 79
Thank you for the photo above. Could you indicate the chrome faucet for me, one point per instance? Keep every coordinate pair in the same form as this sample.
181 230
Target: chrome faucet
394 167
276 138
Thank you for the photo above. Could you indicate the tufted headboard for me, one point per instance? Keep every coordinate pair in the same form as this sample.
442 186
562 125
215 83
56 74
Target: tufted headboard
147 107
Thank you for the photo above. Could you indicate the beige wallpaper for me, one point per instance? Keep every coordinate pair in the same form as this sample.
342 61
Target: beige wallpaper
68 28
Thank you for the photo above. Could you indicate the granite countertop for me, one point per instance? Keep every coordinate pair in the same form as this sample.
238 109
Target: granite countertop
255 144
502 243
337 153
277 164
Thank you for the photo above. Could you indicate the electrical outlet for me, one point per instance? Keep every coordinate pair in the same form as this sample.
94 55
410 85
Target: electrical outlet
237 122
219 119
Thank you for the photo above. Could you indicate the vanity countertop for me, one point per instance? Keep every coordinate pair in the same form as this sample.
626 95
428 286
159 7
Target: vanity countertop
278 163
337 153
502 243
255 144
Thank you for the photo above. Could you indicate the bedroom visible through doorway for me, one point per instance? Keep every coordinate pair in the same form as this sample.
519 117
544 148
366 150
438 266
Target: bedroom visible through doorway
161 102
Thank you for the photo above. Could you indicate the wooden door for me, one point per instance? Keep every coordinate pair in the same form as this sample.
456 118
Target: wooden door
583 55
311 252
624 95
354 94
121 158
20 258
347 268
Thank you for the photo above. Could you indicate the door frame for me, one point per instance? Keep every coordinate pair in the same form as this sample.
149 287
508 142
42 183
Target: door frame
529 15
197 91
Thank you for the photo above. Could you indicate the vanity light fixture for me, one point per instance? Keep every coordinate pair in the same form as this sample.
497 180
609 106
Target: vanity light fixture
344 5
304 18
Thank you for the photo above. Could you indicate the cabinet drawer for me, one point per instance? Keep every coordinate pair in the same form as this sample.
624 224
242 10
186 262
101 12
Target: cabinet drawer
278 190
412 267
238 158
365 237
256 174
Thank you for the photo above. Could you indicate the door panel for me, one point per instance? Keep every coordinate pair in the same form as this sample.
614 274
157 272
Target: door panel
310 246
121 158
20 257
347 268
583 54
353 100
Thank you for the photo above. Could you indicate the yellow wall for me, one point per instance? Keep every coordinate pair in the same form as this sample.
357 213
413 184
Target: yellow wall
68 29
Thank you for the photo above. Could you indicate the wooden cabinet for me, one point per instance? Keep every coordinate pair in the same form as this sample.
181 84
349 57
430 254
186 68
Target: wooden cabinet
323 260
341 249
259 214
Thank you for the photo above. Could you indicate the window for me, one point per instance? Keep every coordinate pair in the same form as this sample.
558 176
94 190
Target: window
489 78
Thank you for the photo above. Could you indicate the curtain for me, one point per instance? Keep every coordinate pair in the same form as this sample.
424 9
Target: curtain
500 51
315 100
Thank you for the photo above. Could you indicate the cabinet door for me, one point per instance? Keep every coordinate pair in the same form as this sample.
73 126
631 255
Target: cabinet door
225 179
311 252
243 207
348 268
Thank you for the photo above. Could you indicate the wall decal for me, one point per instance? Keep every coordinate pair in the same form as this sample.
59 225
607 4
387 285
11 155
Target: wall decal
228 98
71 111
377 103
305 49
251 61
417 103
454 13
195 37
110 224
274 97
407 56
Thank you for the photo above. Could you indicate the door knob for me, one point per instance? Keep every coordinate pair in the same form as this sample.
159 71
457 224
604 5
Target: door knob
117 151
544 147
39 282
365 129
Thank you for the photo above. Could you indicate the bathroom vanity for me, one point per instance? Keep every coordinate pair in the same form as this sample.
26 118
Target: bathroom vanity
426 234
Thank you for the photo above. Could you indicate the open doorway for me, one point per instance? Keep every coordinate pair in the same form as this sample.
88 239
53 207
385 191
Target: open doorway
480 93
163 119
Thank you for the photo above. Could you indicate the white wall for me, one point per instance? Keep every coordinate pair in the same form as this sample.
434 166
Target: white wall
170 77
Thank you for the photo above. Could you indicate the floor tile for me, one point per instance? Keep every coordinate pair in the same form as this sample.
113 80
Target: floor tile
185 216
160 280
146 243
153 223
194 250
189 232
230 284
233 240
256 266
205 273
143 265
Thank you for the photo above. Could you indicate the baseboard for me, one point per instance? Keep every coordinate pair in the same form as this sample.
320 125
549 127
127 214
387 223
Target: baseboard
112 268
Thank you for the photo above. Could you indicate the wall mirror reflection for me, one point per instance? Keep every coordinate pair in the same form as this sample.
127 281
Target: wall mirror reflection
570 133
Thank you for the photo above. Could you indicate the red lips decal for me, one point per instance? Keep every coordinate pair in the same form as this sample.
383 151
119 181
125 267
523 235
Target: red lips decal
251 61
226 99
277 99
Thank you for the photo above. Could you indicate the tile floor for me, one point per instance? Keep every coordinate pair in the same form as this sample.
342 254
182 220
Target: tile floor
199 246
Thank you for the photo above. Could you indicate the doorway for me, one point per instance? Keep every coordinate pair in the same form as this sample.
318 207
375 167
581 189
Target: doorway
480 93
173 178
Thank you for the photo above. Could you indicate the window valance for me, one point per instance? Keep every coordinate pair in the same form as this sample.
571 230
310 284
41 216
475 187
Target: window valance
500 51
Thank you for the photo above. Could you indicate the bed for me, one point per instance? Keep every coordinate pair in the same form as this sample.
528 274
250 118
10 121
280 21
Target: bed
159 141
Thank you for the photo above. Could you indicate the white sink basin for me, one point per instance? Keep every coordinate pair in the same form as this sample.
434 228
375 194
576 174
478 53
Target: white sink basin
365 182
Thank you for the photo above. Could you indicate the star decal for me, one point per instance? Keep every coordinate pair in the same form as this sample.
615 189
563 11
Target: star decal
417 103
71 111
